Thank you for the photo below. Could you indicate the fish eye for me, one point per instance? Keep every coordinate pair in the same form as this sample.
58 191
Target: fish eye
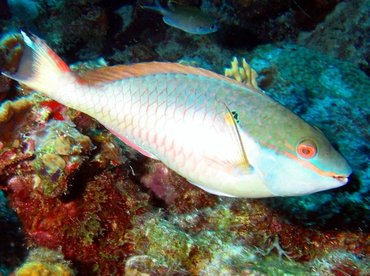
307 149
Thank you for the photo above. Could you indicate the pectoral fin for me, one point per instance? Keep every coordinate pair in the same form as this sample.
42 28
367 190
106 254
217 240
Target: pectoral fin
231 119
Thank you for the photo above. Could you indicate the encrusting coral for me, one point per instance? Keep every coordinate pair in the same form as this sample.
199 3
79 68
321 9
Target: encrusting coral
42 261
59 152
10 109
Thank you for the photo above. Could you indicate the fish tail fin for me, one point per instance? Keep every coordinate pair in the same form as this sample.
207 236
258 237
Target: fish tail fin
155 6
40 68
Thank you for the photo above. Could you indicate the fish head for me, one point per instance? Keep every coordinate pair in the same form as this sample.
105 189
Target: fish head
298 159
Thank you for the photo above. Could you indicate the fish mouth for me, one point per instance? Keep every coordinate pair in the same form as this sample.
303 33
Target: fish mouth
342 179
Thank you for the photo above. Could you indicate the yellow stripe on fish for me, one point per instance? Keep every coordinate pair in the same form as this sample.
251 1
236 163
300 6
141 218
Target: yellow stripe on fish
226 137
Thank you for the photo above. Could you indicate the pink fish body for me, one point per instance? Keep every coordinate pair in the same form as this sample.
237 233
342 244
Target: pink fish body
223 136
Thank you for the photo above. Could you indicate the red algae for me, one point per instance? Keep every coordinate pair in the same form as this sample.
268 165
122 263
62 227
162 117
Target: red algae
90 230
88 225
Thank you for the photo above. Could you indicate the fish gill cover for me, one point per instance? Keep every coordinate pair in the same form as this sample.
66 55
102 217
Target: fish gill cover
81 202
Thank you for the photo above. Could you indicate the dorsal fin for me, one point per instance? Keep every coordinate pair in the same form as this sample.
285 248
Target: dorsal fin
113 73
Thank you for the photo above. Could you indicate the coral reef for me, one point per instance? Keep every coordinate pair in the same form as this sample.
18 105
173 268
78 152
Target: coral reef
344 34
89 205
241 237
242 24
40 169
249 23
90 229
70 26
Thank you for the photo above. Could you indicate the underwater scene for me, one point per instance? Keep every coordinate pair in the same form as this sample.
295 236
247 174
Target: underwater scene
198 137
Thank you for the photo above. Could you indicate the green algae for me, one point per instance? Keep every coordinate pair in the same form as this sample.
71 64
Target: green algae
91 228
160 244
162 240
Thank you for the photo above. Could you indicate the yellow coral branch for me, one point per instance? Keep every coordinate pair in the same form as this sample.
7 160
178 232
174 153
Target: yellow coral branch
244 74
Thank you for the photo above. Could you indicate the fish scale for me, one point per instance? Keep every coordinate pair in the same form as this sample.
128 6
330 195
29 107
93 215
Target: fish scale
167 106
227 138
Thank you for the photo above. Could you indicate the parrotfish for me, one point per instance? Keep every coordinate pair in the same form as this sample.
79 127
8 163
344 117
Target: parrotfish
188 19
224 136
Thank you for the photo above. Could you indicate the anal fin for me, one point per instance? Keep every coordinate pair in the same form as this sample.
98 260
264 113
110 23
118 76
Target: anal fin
211 191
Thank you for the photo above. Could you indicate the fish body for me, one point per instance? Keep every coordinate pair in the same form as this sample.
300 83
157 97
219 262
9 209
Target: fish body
225 137
188 19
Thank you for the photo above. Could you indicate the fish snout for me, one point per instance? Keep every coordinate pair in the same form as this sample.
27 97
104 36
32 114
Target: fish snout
342 177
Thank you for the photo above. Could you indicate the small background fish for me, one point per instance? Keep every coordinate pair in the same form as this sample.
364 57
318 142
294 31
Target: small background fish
189 19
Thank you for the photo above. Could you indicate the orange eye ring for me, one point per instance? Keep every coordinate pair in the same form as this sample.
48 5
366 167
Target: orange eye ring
307 149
